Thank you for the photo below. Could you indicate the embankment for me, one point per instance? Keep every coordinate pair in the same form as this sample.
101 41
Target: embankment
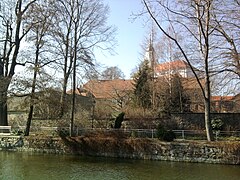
134 148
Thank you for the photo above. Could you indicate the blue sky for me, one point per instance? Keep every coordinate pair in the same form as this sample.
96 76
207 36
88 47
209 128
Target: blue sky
130 35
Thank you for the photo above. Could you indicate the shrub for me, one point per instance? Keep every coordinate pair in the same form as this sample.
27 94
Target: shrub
165 135
62 133
160 131
133 134
119 120
169 136
217 124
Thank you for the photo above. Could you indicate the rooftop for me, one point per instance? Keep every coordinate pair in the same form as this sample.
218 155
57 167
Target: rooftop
178 64
107 89
222 98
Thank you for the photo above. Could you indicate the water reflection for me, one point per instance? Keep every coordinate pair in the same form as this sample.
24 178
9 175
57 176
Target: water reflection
23 166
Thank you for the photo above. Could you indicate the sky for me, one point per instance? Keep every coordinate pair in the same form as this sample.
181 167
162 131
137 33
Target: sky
130 35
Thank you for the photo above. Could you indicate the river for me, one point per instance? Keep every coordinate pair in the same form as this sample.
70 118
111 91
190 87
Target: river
25 166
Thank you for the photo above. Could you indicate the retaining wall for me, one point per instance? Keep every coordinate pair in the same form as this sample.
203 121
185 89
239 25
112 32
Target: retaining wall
135 148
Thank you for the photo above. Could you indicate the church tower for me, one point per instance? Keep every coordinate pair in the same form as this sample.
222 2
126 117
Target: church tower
151 58
150 55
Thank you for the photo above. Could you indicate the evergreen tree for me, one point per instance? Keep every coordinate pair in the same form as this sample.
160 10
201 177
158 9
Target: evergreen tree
142 83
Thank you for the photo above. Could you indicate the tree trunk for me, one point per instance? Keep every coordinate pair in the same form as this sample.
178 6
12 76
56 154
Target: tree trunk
32 96
66 72
3 110
31 108
204 30
74 78
29 120
208 121
4 83
73 109
63 97
73 99
207 103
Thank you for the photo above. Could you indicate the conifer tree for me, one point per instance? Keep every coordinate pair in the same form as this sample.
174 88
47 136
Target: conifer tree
142 83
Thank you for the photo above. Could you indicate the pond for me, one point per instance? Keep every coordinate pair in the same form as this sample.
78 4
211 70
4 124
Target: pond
24 166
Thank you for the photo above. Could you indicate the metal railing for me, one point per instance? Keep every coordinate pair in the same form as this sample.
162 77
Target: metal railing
138 133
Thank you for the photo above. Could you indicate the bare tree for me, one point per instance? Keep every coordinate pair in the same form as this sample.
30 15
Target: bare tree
111 73
12 34
226 19
193 18
40 20
80 27
166 49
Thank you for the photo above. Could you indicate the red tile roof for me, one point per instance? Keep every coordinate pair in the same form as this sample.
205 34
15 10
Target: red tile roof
222 98
108 89
178 64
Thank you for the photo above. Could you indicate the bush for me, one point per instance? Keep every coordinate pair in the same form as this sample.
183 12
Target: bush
165 135
160 131
217 124
119 120
63 133
169 136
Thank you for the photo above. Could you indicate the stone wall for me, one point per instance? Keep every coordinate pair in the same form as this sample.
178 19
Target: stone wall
137 148
196 120
10 142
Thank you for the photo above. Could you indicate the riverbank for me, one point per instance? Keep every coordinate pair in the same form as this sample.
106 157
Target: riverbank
222 152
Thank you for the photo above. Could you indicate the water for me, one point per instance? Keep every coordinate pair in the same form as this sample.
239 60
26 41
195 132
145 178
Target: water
24 166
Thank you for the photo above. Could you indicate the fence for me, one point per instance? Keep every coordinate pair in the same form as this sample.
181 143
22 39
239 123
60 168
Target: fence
138 133
5 130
